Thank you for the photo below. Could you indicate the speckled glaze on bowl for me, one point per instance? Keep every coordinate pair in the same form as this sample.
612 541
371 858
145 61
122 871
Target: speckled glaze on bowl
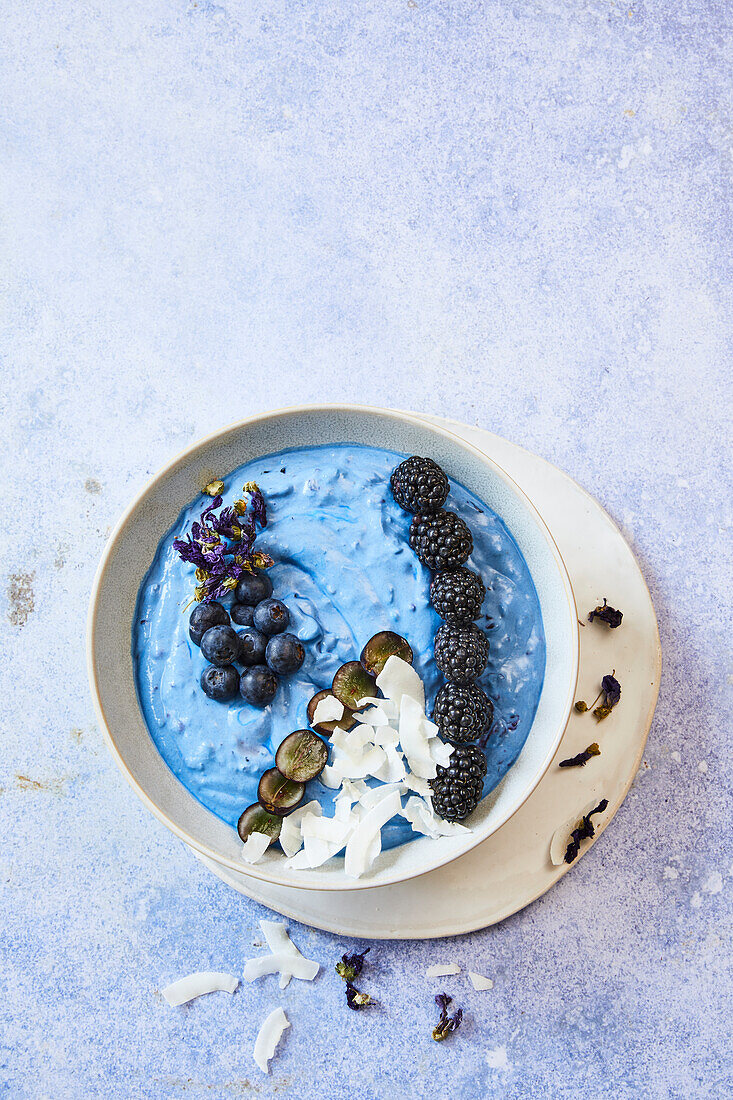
131 548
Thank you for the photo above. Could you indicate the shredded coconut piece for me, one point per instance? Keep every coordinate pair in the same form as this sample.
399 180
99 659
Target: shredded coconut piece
329 709
291 836
255 847
197 984
398 679
393 768
268 1037
424 820
478 981
298 967
362 843
414 743
388 706
373 716
279 942
441 970
285 958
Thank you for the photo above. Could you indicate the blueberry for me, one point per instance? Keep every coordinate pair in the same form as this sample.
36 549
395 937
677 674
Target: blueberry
203 617
271 616
220 645
258 685
220 683
284 654
241 614
252 646
253 588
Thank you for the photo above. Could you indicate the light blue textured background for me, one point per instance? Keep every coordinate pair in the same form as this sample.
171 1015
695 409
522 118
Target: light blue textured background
515 213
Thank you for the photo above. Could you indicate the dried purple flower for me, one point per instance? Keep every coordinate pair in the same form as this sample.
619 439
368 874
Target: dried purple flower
219 563
611 691
351 966
357 1000
585 831
606 614
446 1024
257 502
582 758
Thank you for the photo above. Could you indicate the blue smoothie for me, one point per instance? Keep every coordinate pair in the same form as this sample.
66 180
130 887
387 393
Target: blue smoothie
345 569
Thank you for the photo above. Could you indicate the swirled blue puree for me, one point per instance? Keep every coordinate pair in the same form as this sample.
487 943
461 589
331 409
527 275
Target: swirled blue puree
344 568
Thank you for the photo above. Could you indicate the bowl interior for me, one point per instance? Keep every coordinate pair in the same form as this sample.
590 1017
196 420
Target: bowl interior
131 549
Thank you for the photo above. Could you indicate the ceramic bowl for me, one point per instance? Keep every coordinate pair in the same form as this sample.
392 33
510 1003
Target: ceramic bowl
131 548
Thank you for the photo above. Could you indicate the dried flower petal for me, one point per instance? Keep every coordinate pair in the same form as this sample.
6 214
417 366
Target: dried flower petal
214 488
351 966
611 691
612 688
356 999
584 831
446 1024
220 564
582 758
606 614
257 501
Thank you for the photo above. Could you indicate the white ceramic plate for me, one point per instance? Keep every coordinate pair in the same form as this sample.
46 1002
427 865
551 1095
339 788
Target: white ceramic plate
131 549
512 867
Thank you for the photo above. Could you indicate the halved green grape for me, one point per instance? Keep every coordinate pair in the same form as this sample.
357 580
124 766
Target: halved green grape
383 645
347 722
352 683
256 820
302 756
277 794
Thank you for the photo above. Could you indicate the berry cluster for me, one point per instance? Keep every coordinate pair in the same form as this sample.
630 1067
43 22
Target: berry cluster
463 712
263 647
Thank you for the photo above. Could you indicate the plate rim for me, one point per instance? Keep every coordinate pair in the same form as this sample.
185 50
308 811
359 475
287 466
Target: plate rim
471 924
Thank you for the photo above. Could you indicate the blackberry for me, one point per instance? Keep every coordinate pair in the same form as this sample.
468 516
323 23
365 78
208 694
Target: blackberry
457 789
441 541
419 485
462 712
457 594
461 651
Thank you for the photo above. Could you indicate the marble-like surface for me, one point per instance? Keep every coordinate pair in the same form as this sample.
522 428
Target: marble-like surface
517 214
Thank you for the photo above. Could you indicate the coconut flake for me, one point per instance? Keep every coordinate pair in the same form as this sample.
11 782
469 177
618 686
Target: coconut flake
414 743
398 679
255 847
279 942
374 716
268 1037
331 777
423 820
393 768
331 829
328 709
197 984
277 963
291 836
419 786
478 981
386 737
372 796
387 706
360 850
442 970
440 751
